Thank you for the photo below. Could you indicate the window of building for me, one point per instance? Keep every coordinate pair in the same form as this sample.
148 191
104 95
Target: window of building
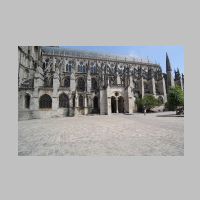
63 101
81 68
80 84
68 68
45 101
94 84
48 81
27 101
67 82
93 69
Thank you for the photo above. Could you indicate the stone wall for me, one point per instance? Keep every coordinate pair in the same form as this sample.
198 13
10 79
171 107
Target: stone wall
47 71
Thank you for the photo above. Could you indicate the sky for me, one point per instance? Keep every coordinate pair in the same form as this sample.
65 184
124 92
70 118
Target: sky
156 54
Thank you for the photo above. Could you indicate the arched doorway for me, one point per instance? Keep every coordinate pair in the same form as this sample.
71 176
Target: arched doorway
45 101
81 101
27 101
95 104
63 101
121 104
113 104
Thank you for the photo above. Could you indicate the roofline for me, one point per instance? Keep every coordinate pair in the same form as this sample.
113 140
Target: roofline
102 59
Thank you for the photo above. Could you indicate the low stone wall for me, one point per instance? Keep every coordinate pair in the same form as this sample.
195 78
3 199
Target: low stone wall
41 114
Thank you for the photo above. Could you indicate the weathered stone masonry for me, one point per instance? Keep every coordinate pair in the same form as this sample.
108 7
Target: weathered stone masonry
55 82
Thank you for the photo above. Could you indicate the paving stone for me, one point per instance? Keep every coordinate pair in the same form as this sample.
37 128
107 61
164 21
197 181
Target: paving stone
155 134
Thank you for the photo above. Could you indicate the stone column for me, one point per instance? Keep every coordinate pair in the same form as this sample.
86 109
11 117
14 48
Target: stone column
117 110
76 105
109 105
118 79
64 64
56 84
38 82
85 105
88 81
162 89
142 87
54 63
130 100
71 111
153 86
72 82
104 105
131 81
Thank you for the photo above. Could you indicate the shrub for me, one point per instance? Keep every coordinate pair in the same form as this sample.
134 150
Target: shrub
149 101
175 98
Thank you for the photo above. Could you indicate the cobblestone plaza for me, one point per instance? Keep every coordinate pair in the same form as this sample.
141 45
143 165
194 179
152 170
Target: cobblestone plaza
156 134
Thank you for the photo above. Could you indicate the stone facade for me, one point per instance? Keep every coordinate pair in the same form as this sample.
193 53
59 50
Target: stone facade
54 81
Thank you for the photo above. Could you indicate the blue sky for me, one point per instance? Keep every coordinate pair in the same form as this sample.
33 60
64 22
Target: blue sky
154 53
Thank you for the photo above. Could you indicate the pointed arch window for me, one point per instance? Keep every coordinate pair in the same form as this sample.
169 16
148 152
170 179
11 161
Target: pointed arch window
68 67
66 82
81 84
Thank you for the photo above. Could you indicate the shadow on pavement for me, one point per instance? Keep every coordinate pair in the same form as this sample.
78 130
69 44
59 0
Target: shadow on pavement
171 115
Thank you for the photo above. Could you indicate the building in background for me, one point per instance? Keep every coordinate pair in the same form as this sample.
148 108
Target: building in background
55 81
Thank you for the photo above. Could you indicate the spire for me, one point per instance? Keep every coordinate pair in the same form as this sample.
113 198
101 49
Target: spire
178 72
168 65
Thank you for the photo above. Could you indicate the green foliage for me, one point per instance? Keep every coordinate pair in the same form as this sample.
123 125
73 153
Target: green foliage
149 101
175 97
139 104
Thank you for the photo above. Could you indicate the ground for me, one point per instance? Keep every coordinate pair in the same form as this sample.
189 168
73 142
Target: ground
118 134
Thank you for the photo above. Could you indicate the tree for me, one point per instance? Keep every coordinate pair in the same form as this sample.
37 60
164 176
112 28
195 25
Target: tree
175 97
149 101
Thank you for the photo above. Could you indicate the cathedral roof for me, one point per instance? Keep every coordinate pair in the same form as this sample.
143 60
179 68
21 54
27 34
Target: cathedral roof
62 51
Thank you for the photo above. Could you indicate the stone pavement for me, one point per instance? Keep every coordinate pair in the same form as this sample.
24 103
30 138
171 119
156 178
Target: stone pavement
119 134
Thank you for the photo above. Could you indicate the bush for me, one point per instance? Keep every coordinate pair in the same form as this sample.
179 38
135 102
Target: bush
175 98
149 101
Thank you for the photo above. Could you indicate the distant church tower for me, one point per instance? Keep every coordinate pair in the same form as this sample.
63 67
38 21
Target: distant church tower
170 78
178 79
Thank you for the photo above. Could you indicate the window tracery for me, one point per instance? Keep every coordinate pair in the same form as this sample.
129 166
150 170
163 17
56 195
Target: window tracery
80 84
